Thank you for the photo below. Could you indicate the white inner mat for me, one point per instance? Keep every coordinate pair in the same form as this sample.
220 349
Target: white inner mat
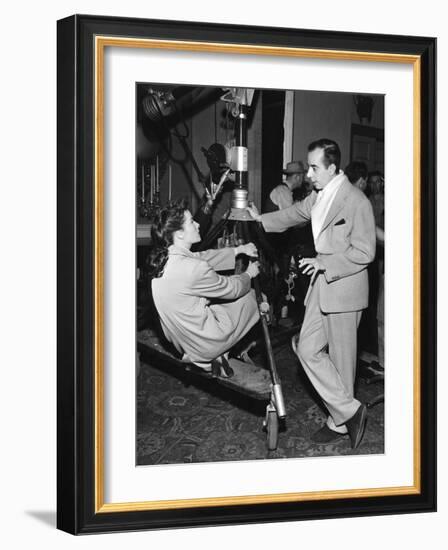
124 482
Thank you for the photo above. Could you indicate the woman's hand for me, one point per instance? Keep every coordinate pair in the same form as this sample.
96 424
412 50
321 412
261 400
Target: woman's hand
249 249
253 269
253 211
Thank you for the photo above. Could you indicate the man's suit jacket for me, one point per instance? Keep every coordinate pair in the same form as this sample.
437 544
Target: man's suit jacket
345 246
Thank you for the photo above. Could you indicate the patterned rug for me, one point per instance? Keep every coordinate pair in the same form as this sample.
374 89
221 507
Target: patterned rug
182 419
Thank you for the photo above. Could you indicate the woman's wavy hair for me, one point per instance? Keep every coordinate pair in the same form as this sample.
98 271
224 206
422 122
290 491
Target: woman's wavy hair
169 220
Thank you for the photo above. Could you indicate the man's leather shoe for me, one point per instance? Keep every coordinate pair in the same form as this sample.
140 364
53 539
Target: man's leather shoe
326 435
356 426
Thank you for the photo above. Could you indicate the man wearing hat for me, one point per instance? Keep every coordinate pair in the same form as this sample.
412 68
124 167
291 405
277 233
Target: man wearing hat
282 195
296 242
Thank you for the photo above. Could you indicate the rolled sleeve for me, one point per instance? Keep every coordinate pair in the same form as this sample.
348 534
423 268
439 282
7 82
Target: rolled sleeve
205 282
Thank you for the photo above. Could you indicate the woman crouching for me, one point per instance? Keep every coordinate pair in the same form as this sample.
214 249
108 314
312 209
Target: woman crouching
186 283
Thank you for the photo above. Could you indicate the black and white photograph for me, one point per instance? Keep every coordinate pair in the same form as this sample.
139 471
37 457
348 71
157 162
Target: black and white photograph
260 273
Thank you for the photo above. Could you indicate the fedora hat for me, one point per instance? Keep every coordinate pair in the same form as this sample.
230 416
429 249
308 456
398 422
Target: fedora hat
294 167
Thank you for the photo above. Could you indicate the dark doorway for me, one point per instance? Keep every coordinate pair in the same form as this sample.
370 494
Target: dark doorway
272 141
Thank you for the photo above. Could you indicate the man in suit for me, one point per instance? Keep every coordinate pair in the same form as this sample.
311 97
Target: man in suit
344 236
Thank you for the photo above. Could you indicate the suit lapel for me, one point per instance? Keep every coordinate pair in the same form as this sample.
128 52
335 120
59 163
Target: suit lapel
337 204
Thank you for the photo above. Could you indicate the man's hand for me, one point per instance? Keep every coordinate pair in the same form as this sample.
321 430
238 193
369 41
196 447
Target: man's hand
249 249
253 269
311 266
253 211
222 180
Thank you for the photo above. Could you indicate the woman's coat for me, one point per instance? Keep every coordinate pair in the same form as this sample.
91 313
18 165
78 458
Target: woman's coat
203 314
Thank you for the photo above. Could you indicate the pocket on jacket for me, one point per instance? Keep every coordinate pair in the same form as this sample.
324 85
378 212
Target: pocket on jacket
338 236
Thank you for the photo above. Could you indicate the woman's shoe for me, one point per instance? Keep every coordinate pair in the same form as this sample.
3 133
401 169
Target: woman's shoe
221 368
226 369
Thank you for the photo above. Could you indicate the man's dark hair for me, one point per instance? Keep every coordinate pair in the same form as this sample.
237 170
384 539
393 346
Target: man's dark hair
355 170
332 153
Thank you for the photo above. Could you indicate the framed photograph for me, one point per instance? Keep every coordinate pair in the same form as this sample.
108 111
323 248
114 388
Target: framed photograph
246 274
